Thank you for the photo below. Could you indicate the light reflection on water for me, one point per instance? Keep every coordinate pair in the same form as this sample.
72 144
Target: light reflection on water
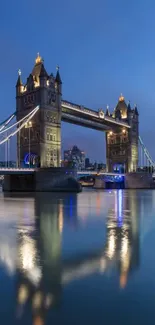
62 250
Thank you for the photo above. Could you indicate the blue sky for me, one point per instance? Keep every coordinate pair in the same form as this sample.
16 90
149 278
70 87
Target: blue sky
103 48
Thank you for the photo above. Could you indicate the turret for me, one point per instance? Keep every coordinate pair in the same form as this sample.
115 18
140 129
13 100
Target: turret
136 110
58 81
129 110
107 113
19 84
129 106
43 76
30 83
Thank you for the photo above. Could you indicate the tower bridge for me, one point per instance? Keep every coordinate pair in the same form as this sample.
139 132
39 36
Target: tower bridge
40 109
45 90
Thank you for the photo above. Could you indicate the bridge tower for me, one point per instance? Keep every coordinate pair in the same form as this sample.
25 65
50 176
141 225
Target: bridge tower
39 142
122 143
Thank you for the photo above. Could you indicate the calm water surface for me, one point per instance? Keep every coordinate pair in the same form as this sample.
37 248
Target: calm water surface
78 259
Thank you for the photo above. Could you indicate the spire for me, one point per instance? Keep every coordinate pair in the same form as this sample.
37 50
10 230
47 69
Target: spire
58 78
39 59
121 98
107 111
39 69
19 80
136 110
129 106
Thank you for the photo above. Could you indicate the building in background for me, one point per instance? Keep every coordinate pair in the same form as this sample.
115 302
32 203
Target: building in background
74 158
87 163
11 164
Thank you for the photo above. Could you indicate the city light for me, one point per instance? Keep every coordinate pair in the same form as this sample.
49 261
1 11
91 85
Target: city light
28 124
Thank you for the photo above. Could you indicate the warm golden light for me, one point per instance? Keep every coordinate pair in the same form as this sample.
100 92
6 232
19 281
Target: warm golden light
60 218
110 133
123 280
37 300
28 124
47 82
22 89
22 294
123 114
124 131
111 244
38 59
36 84
121 98
38 321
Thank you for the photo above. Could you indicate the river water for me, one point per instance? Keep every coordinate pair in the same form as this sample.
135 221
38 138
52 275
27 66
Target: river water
85 258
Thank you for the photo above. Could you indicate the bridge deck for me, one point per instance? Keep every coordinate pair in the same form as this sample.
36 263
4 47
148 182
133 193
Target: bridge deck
83 116
9 171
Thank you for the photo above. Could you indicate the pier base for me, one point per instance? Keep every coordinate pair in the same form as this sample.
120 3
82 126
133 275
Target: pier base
139 181
43 180
99 183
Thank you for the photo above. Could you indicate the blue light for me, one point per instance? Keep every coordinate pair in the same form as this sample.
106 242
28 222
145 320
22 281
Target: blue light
26 159
71 207
120 216
29 157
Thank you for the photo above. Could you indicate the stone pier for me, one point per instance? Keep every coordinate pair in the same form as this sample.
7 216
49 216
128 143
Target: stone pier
139 181
131 181
43 180
99 183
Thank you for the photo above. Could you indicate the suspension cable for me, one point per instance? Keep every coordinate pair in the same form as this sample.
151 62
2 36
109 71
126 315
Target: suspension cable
147 154
21 126
15 124
6 122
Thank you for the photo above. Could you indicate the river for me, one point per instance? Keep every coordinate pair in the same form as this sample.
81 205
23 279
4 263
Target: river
86 258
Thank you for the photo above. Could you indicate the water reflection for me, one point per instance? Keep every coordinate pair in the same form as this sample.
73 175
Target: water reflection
123 238
41 272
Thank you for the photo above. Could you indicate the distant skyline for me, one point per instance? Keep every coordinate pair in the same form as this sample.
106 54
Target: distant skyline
103 48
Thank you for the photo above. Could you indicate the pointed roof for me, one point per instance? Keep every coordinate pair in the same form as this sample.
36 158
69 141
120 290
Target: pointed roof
118 114
30 79
136 110
39 69
121 105
58 78
19 80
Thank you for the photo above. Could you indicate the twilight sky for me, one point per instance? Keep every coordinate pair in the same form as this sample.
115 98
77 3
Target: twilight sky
103 48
